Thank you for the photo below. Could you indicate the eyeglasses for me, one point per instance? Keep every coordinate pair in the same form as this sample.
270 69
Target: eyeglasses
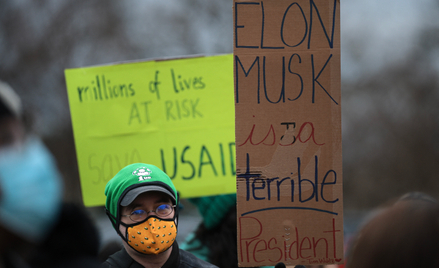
161 211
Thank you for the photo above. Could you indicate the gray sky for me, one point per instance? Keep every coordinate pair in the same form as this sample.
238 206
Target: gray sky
374 33
379 32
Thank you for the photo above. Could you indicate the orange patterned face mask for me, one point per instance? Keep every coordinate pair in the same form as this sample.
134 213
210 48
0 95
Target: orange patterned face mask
153 236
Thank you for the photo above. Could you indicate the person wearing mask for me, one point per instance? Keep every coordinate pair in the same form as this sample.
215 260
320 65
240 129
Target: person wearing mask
142 205
37 229
30 186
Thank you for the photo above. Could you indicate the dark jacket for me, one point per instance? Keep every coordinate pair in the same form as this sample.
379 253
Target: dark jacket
178 259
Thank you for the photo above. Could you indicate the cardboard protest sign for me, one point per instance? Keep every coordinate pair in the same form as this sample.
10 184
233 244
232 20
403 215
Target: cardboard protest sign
288 132
176 114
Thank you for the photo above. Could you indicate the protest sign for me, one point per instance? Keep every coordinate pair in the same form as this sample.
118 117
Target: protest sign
288 132
175 114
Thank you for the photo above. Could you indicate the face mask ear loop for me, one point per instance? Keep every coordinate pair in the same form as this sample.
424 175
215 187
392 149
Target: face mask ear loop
176 214
115 222
177 210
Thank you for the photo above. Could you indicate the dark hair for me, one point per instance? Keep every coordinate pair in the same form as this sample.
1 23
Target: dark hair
405 234
5 111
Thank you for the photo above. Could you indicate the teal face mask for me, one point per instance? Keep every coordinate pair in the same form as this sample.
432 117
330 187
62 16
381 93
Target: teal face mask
30 190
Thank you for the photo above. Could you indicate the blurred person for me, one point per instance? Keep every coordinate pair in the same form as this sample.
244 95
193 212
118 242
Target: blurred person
216 235
404 234
30 185
72 242
36 228
142 205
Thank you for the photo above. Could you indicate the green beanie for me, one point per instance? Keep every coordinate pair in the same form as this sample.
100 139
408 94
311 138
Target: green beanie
214 208
133 180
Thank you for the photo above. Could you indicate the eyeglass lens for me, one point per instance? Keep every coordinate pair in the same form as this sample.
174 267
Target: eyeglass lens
162 211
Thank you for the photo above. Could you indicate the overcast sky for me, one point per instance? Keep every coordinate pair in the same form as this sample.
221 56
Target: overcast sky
380 31
373 33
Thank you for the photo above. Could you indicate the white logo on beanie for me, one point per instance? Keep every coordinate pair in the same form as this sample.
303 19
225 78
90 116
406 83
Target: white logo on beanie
143 173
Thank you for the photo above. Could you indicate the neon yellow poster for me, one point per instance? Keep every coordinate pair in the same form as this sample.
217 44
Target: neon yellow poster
175 114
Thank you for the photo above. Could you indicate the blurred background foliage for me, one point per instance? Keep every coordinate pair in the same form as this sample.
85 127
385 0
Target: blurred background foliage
390 65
